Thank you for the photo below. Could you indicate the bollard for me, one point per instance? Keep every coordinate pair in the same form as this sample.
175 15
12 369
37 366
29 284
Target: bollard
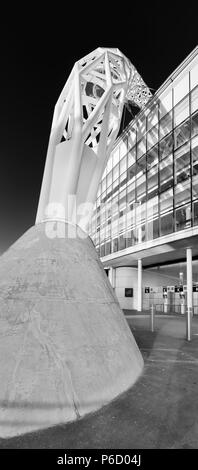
152 317
188 323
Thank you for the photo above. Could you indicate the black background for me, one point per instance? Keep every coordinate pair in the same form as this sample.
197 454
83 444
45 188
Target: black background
38 49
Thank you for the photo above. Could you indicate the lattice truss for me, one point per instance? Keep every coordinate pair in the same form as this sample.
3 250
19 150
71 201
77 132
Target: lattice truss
85 124
98 87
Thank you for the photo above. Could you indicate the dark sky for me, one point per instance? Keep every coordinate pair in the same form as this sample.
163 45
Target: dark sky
37 53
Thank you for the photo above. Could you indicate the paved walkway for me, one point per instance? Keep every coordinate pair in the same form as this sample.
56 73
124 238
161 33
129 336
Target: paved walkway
160 411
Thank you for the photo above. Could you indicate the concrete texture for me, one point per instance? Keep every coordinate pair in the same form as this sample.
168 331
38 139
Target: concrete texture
65 346
158 412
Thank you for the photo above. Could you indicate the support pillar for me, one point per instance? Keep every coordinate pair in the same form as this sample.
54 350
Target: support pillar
189 293
139 300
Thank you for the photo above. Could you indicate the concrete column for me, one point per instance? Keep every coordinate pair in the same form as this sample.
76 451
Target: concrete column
189 292
139 300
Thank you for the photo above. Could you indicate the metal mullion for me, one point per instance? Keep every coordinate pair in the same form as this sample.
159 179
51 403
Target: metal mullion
191 160
158 164
146 221
173 153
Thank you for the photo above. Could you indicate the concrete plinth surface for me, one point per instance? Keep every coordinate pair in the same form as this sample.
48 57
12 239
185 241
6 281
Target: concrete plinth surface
65 346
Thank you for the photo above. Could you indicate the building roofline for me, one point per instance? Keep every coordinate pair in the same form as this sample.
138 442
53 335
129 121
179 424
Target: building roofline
160 90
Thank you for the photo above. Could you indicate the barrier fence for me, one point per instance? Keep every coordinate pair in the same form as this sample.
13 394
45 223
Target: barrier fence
186 311
172 309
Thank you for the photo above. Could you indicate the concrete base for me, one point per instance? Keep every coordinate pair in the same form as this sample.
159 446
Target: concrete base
65 346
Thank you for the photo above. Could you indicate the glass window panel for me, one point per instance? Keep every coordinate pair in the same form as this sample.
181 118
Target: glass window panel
165 103
131 172
181 88
115 172
140 213
109 179
183 217
152 157
122 199
152 192
181 111
152 137
115 204
98 220
141 185
181 134
108 231
166 224
121 242
166 201
131 137
155 228
194 76
109 164
115 185
194 100
182 193
166 124
123 165
115 245
195 186
152 118
109 192
105 173
131 156
182 163
194 124
123 179
195 213
103 197
104 184
116 156
141 127
152 207
152 179
99 190
129 238
131 193
123 148
108 209
166 173
152 229
122 222
141 147
195 167
194 146
166 146
107 248
141 165
102 250
114 228
130 217
102 234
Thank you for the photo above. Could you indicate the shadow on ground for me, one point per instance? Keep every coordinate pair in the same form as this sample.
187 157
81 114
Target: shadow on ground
159 411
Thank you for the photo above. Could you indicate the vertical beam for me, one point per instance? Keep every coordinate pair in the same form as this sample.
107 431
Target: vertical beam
189 293
139 300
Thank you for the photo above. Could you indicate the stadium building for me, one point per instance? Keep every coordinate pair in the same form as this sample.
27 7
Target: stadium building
145 221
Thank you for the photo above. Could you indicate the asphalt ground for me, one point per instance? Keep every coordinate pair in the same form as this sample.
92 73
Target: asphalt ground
159 412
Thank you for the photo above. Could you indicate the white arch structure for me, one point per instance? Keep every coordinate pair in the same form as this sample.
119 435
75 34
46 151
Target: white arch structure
85 124
67 345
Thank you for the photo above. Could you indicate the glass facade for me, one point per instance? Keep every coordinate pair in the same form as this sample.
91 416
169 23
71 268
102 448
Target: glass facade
150 185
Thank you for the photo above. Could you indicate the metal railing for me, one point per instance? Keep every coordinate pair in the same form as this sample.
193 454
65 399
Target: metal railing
186 311
161 308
